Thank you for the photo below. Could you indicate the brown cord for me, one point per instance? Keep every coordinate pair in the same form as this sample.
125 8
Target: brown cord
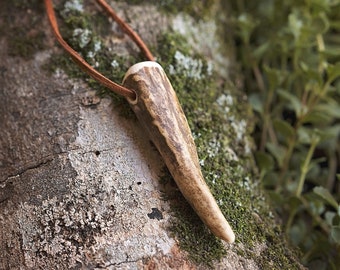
116 88
127 29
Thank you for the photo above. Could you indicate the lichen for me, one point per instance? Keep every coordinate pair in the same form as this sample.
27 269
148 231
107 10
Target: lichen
65 228
75 5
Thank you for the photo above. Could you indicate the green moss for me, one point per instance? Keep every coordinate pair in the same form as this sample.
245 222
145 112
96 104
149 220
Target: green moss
23 36
216 111
232 181
26 4
24 45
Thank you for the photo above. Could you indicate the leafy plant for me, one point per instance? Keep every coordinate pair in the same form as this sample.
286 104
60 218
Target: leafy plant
290 57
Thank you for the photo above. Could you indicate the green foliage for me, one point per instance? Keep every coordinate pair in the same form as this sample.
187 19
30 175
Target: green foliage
289 51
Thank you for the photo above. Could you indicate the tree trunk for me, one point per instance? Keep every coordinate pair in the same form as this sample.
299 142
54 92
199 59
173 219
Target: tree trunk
80 183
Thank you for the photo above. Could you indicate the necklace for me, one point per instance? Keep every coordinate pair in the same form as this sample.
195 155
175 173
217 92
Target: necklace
154 101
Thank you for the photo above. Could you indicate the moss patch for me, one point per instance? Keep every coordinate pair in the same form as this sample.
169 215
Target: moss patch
23 44
24 36
214 109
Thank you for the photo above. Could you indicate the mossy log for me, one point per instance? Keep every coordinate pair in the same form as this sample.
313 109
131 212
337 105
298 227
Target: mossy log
82 187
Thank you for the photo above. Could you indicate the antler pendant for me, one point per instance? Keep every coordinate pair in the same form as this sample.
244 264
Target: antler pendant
158 110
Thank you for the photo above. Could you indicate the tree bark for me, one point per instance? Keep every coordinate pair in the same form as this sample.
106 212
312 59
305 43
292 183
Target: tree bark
79 182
